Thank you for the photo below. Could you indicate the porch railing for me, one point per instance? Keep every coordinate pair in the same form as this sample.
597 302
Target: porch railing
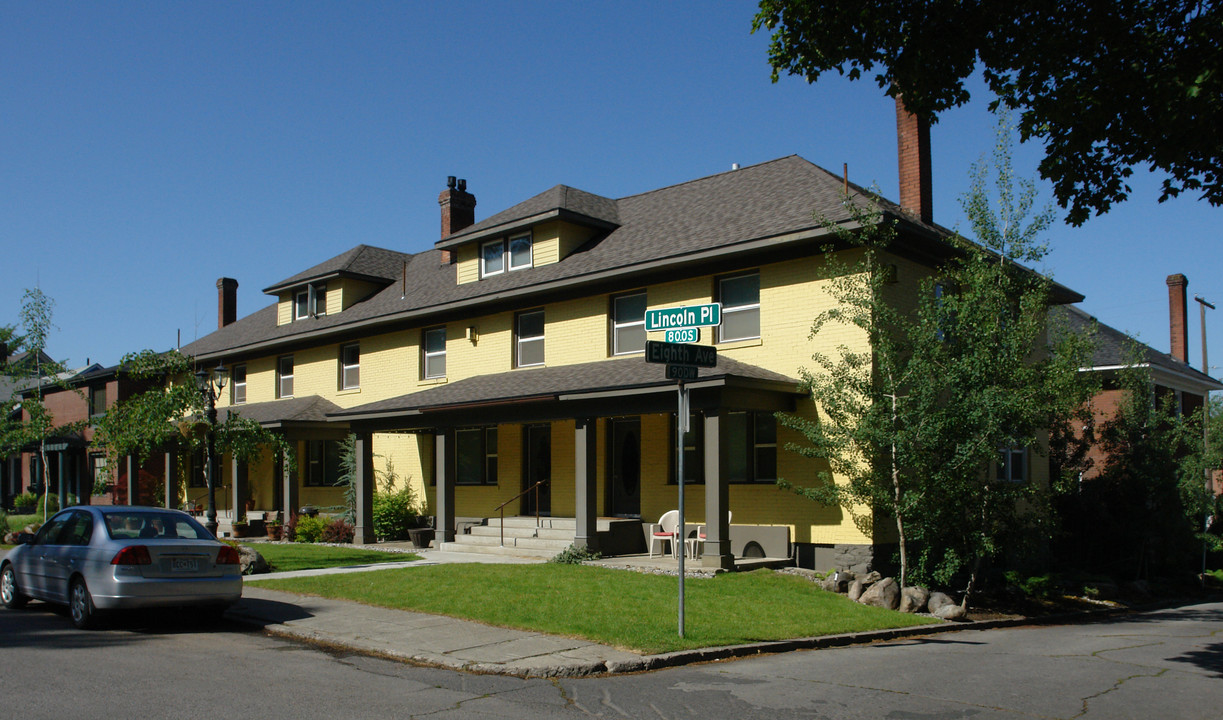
501 508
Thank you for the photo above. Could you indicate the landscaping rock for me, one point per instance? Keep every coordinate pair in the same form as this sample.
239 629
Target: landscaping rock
913 599
951 612
884 594
837 581
871 578
252 562
855 589
938 600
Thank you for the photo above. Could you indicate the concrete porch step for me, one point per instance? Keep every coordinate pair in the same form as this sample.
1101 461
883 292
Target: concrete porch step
458 547
510 541
524 532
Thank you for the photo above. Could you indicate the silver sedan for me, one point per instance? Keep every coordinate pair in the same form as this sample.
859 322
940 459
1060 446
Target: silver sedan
94 558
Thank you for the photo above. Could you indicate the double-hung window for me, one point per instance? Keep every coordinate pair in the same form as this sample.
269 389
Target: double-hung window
97 401
310 301
350 366
529 339
475 456
433 353
492 258
752 442
628 324
740 298
237 387
284 376
322 463
301 305
520 252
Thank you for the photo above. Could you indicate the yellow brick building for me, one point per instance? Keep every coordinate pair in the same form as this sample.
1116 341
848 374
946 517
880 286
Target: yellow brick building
511 356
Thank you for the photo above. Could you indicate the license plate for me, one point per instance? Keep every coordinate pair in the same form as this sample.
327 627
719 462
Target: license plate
184 564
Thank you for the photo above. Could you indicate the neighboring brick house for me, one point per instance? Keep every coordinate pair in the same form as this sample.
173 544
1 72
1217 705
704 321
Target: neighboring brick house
1175 380
512 353
74 465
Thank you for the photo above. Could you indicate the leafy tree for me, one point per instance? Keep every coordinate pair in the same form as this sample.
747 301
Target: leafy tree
170 412
913 425
1103 86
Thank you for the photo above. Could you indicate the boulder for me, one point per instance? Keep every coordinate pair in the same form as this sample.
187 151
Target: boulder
951 612
913 599
884 594
252 562
855 589
871 578
938 600
837 581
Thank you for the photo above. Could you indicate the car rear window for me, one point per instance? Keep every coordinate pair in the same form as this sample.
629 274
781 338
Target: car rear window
144 525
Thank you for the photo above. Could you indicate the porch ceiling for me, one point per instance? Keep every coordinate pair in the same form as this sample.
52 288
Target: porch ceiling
618 386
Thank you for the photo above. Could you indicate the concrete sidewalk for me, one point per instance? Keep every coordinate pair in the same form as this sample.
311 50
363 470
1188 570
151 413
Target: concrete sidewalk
470 646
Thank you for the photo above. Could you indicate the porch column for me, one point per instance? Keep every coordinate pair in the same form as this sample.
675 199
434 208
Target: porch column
716 551
59 472
171 486
364 487
237 473
288 480
585 478
443 467
133 489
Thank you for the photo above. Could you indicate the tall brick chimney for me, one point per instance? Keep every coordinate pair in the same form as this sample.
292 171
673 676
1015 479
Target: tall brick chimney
913 156
1178 311
227 301
458 210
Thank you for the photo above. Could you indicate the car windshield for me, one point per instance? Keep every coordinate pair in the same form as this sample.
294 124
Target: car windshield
152 525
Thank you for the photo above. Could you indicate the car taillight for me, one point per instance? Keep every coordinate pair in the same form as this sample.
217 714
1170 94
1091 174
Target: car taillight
132 555
228 556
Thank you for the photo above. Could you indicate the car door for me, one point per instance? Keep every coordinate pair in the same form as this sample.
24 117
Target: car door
31 564
66 554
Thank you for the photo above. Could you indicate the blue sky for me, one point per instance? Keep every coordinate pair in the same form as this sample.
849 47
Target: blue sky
147 149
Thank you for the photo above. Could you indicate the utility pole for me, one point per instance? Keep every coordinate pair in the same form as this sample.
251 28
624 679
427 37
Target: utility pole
1202 305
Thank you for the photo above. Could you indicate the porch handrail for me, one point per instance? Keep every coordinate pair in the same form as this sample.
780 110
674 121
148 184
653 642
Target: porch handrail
501 507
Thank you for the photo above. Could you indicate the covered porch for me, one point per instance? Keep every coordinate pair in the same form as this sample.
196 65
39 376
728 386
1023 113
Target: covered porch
587 433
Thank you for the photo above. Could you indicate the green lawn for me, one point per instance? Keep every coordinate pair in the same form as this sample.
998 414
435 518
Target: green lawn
304 556
614 607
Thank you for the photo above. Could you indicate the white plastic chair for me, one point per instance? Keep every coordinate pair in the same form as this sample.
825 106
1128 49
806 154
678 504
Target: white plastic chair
664 531
698 542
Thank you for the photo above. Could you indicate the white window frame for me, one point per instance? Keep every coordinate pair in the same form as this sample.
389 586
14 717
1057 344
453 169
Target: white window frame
484 271
731 310
237 388
301 304
618 326
426 355
509 253
282 378
353 368
520 340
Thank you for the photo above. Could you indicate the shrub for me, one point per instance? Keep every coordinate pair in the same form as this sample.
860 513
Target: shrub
574 555
309 529
1035 586
290 531
338 531
394 513
25 502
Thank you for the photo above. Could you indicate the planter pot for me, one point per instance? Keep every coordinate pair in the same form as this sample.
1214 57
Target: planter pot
239 530
421 537
274 532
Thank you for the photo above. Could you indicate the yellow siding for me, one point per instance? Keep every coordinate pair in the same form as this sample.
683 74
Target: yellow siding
467 263
546 244
284 309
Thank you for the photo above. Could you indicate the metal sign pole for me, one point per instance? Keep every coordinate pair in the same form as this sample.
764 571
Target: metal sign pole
681 541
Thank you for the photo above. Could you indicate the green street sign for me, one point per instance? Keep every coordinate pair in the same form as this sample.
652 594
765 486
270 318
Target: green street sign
683 335
707 315
677 354
681 372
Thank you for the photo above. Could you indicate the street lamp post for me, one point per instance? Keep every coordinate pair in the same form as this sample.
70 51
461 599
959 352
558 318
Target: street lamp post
1203 304
211 385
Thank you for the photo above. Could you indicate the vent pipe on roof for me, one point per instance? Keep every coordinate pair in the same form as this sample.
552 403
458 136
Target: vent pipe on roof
734 166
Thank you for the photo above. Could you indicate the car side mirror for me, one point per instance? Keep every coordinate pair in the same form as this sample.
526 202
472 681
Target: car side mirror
25 538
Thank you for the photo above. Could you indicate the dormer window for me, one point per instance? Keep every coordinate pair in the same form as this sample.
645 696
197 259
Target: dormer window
493 255
310 301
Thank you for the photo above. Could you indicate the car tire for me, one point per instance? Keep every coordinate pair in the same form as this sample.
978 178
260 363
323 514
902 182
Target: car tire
10 595
80 606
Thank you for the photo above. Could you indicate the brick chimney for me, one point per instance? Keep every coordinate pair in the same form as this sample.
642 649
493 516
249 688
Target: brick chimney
458 210
913 156
227 301
1178 304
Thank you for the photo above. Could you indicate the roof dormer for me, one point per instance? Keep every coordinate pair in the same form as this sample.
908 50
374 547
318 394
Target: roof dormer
335 285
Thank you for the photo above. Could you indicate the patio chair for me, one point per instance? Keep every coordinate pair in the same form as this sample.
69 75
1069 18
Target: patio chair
665 531
698 542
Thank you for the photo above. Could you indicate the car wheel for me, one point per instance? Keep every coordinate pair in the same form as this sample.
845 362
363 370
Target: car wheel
10 596
80 606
